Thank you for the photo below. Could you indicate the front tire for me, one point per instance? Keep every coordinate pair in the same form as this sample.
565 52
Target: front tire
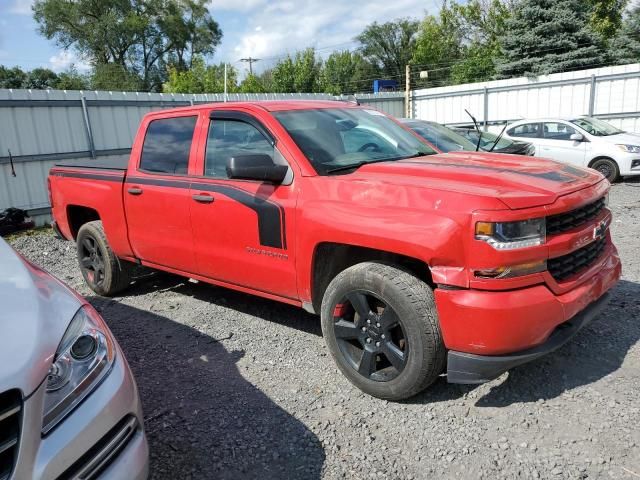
608 168
381 327
104 273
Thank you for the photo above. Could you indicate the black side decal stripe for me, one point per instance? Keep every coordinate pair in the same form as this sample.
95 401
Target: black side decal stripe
90 176
270 225
271 230
271 215
552 176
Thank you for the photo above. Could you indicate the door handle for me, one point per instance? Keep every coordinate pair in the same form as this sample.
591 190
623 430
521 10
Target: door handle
135 191
203 198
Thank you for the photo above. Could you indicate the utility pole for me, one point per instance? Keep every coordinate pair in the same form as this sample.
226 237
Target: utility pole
250 61
407 91
225 81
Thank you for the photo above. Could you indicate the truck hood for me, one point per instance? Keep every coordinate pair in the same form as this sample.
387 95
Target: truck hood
36 310
519 182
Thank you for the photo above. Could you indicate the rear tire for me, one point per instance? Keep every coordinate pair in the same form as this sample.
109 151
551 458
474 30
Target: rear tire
608 168
103 272
381 326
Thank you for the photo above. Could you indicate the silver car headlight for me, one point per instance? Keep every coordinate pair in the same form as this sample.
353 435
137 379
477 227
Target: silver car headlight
83 359
629 148
512 235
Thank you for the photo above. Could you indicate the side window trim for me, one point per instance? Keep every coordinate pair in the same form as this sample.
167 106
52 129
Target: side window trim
243 117
193 143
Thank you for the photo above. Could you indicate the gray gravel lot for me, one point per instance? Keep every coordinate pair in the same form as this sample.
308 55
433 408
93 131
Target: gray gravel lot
236 387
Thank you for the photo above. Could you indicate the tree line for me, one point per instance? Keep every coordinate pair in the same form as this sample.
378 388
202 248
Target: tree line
165 45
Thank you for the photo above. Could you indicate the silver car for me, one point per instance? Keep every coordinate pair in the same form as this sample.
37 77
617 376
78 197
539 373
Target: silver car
69 406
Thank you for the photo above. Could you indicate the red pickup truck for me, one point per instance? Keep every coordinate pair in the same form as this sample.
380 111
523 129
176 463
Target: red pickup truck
418 263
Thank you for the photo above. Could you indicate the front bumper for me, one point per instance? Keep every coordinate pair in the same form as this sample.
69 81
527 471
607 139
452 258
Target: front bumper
469 368
81 440
488 332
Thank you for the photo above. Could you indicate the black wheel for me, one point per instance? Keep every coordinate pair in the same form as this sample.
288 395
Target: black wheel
102 270
608 168
381 327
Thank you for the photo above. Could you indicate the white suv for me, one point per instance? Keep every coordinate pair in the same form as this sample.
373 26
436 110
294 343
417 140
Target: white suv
583 141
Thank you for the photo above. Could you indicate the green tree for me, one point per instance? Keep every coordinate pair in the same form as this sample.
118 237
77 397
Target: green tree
389 46
251 84
72 80
284 76
306 72
606 16
115 77
439 44
461 44
40 79
347 72
201 78
625 46
548 36
142 36
12 77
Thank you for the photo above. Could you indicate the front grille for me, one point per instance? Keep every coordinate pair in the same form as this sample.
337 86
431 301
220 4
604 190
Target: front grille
564 267
100 456
568 220
10 415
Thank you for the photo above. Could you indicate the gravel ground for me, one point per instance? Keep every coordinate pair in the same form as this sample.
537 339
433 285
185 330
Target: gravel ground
237 387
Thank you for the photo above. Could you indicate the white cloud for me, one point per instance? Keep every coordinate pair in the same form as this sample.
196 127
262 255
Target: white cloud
236 5
21 7
64 59
270 30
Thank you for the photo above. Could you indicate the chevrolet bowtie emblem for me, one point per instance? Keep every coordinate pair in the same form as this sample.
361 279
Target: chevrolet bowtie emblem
600 230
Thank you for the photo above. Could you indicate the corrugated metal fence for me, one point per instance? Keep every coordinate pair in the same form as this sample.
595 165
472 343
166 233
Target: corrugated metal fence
611 93
39 128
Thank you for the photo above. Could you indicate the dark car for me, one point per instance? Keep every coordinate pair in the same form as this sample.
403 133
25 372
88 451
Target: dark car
441 137
504 145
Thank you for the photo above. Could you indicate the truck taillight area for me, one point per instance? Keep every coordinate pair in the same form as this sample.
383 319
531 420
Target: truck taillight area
49 192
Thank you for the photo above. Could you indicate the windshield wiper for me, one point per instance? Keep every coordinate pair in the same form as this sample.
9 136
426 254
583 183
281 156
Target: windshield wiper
477 129
498 138
364 162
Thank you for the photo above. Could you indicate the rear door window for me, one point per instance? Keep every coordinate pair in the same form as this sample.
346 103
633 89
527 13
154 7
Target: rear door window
526 130
167 145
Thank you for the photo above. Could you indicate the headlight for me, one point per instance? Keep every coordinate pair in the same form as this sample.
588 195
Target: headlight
629 148
512 235
83 359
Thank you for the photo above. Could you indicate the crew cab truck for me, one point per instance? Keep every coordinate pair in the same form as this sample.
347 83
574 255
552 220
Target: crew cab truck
418 263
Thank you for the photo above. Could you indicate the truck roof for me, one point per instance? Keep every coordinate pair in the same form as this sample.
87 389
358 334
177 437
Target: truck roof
268 105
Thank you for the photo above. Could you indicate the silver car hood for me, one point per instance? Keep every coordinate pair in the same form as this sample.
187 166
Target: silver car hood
35 311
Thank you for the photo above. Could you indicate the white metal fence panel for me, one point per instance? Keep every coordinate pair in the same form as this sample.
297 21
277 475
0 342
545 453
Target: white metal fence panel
610 93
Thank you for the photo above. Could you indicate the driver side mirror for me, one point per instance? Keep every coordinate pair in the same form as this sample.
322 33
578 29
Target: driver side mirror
258 167
576 137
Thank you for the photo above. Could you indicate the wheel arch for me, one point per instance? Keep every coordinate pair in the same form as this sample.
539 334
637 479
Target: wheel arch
78 215
330 258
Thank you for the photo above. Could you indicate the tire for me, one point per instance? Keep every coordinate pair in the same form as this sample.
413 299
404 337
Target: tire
390 354
608 168
103 272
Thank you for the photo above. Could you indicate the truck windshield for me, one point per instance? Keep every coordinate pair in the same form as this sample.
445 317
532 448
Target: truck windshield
340 139
596 127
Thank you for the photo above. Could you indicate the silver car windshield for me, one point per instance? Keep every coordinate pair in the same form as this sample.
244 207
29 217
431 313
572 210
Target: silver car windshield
340 139
596 127
443 138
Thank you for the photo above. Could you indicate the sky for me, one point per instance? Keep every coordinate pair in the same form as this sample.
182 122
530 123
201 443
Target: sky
265 29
